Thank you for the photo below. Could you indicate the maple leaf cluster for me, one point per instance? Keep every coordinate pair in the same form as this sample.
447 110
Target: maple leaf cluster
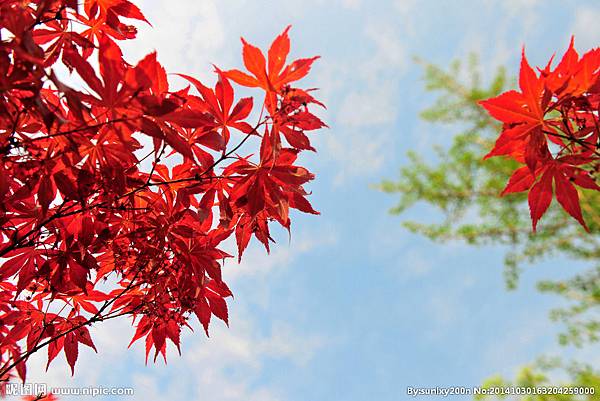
551 126
117 191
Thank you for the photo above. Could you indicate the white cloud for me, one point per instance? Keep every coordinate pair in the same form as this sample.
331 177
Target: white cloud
188 37
519 340
517 6
369 99
415 264
372 106
586 28
446 310
376 102
225 366
257 263
352 4
358 152
390 51
258 267
228 365
405 7
91 368
443 310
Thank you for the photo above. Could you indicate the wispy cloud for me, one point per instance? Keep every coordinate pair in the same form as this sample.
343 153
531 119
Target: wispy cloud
586 28
226 366
188 36
229 364
368 105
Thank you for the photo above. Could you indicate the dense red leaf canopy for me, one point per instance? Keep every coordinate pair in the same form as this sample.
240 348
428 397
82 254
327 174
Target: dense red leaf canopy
117 191
551 125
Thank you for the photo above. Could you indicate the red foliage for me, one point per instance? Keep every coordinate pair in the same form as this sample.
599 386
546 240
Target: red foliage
41 397
116 194
551 125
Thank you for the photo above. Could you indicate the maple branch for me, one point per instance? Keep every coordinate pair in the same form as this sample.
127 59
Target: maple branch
571 137
156 160
197 177
82 128
97 317
16 243
74 189
8 367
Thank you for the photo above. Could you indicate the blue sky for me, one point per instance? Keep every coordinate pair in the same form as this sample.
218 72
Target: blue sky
354 307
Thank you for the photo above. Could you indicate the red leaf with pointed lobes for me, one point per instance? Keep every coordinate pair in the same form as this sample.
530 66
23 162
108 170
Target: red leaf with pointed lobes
273 79
511 142
532 88
53 350
86 200
78 274
189 118
567 196
120 7
112 67
536 150
298 201
158 336
255 62
46 193
202 311
521 180
74 60
65 185
219 104
173 331
559 106
540 197
219 287
218 307
143 327
296 71
278 53
583 179
148 73
71 350
177 143
510 107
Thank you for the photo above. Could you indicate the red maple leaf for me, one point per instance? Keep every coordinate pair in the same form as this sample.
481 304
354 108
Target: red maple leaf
558 106
274 74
